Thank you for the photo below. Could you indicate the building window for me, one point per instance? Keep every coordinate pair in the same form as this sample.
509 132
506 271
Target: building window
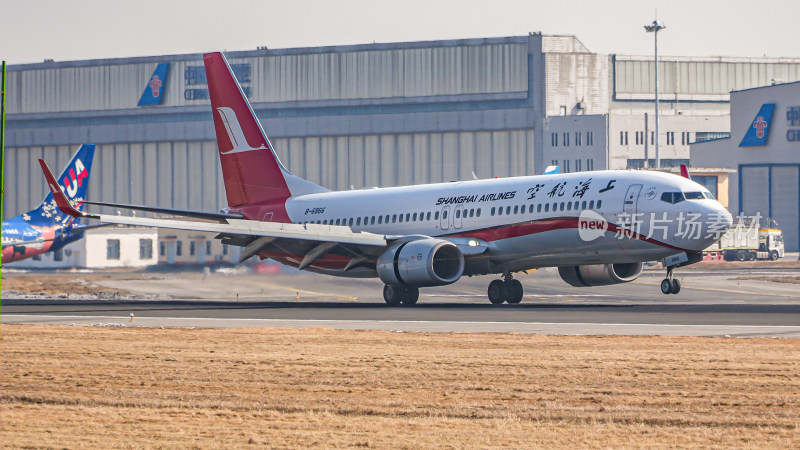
577 165
623 138
58 255
589 164
578 136
208 247
670 138
145 249
589 138
566 166
709 181
665 163
554 139
162 248
191 248
652 138
224 249
566 139
179 248
686 138
701 136
112 249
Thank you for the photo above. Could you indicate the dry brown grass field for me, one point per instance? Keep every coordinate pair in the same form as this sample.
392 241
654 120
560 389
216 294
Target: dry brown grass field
139 387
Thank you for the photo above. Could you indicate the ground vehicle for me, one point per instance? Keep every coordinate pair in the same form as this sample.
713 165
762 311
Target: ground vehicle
745 241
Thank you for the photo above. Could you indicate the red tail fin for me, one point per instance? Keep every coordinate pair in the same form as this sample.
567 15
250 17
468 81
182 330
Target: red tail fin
685 172
251 169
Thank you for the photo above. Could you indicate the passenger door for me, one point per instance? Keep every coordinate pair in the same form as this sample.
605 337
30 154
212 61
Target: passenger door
444 220
632 199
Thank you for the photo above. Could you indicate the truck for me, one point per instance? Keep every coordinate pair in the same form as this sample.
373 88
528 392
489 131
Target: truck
745 241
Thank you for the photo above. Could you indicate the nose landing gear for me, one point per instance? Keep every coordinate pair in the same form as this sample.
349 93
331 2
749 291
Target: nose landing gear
505 290
670 285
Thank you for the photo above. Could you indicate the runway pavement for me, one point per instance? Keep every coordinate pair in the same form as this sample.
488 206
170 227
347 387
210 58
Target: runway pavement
712 303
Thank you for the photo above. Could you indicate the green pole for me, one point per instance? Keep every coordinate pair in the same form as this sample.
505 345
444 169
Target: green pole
2 155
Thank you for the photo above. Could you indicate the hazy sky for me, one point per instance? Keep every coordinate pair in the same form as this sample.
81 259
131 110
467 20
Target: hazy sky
32 30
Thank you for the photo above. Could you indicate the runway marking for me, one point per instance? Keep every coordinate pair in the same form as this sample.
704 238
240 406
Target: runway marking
729 291
244 319
304 291
525 296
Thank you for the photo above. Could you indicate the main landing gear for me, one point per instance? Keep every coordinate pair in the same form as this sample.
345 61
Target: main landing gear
670 285
505 290
394 295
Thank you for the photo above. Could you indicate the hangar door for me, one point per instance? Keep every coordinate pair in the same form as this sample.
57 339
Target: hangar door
774 192
785 204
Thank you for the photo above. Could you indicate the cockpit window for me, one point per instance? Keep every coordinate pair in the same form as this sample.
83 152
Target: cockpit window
672 197
694 195
709 195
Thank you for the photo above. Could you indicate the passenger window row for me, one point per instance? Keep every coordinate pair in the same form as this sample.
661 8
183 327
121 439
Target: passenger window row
463 213
396 218
546 207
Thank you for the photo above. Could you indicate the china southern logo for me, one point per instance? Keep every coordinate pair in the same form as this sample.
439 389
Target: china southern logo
155 85
758 132
154 89
591 225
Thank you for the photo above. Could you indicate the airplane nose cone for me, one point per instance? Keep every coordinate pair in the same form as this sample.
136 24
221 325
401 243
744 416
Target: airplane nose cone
718 221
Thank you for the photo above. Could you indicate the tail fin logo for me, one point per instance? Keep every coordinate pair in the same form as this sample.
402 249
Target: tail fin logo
235 132
155 85
758 131
154 89
72 188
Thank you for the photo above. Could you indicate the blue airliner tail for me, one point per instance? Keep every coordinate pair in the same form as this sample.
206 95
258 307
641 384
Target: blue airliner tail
74 180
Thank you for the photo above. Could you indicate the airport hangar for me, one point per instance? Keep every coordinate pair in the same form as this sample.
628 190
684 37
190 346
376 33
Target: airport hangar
765 169
368 115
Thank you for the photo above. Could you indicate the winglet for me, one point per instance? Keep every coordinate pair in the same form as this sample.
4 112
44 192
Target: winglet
58 195
685 172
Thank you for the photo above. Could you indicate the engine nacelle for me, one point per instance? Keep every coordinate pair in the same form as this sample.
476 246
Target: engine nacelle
425 262
600 274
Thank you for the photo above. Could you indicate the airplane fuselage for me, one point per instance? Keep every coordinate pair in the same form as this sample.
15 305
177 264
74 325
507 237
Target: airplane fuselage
528 222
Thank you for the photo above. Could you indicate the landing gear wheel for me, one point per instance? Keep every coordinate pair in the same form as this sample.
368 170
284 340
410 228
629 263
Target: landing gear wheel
392 295
666 286
410 296
497 292
676 287
515 291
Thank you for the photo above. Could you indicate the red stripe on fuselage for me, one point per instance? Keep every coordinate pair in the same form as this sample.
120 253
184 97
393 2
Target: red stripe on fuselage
333 261
540 226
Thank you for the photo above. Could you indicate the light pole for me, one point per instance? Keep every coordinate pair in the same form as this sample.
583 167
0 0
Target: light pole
654 28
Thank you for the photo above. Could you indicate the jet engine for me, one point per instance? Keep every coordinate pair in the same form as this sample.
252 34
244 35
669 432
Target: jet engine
424 262
600 274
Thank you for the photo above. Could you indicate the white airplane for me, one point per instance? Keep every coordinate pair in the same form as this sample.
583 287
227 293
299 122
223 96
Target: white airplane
597 227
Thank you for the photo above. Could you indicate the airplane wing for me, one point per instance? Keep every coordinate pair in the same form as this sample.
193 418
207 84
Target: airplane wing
310 241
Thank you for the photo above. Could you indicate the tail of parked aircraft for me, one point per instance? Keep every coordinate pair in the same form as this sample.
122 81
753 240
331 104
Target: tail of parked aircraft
256 183
74 181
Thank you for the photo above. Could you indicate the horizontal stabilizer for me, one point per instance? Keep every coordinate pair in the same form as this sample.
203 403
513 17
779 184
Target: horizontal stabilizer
221 217
58 195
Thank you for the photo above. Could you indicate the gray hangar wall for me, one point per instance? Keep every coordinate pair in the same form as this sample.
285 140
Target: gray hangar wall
354 116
